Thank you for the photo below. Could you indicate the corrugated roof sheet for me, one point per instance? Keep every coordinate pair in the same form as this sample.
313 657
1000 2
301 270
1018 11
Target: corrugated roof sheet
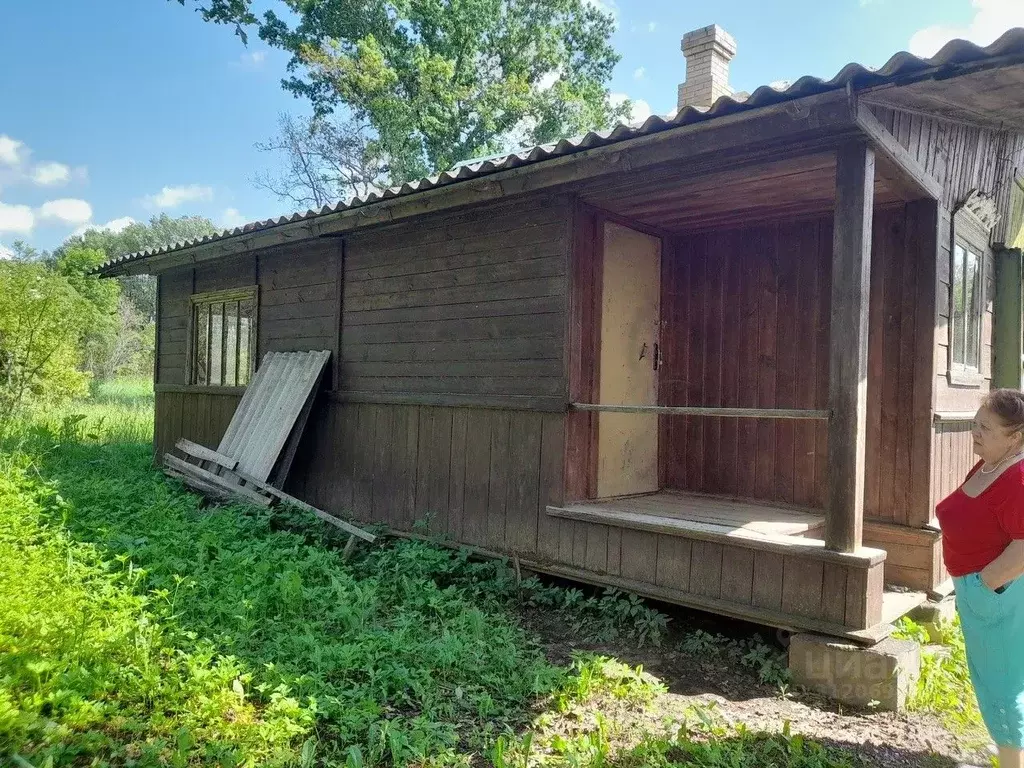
901 65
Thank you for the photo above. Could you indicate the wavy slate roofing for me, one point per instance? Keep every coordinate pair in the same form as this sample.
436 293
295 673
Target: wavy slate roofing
900 67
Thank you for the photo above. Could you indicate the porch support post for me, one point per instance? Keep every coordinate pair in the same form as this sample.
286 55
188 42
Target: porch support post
848 356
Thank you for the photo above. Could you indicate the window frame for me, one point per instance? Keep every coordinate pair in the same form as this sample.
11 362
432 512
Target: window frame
971 235
222 297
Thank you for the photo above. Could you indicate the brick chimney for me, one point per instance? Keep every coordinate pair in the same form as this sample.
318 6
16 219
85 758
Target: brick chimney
708 52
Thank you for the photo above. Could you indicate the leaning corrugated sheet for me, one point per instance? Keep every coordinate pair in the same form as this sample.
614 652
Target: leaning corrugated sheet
900 67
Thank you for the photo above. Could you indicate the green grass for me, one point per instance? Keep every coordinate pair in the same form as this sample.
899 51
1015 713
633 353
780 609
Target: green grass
945 688
140 628
404 654
701 737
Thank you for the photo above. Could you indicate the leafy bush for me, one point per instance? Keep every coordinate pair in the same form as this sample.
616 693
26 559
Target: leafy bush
89 671
945 687
41 326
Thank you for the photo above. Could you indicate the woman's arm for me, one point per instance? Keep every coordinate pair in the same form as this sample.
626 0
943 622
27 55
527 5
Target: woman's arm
1005 568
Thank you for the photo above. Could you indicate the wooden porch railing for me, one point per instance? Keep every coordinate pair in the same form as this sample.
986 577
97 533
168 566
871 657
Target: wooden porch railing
690 410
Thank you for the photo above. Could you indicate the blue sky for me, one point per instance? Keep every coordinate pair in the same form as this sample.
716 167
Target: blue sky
121 109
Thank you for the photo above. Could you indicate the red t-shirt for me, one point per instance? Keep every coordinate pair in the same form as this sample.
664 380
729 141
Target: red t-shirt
975 531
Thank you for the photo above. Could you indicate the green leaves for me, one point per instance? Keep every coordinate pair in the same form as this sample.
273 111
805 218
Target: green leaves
444 81
42 321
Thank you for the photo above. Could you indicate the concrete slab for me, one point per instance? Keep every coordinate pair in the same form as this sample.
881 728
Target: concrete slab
932 615
880 676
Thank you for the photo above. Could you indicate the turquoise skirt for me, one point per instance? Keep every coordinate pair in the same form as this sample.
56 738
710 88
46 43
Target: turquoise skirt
993 626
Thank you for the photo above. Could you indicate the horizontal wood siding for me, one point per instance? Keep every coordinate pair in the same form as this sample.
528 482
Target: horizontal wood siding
172 340
470 303
299 297
297 305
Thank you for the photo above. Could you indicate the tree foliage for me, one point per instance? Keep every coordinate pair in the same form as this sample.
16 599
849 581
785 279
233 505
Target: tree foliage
159 232
43 320
326 159
99 316
443 81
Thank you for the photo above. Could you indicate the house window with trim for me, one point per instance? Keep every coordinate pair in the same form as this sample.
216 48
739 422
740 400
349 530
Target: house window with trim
223 338
965 313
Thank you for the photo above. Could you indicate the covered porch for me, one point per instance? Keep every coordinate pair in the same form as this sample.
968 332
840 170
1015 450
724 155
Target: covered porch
736 404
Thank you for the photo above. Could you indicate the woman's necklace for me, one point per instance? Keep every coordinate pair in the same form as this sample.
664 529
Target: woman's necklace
984 471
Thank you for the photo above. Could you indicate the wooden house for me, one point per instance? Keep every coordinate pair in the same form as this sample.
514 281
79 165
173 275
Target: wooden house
728 360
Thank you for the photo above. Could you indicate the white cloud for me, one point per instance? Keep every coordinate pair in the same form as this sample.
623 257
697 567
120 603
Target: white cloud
50 174
118 225
67 210
231 218
991 19
172 197
10 150
638 73
6 254
16 218
252 60
640 109
114 225
651 26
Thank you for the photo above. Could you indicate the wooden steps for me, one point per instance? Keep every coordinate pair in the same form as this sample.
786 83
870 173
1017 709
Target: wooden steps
896 604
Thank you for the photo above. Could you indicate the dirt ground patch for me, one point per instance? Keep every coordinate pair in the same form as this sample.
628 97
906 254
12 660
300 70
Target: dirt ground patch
899 740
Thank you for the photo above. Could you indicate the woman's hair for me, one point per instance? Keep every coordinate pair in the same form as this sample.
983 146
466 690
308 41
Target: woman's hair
1008 405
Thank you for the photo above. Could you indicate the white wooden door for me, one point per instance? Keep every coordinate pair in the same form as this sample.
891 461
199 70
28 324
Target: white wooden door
630 313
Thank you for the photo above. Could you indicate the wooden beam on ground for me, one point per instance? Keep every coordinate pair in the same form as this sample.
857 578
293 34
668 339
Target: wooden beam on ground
895 163
203 453
851 270
209 478
769 129
289 499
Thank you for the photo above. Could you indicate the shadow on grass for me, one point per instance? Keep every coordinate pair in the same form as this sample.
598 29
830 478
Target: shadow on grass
393 664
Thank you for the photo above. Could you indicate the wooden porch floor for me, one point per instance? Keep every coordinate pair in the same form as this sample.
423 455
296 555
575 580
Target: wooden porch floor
709 514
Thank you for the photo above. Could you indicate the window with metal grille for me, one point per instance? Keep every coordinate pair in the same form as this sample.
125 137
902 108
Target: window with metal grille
223 338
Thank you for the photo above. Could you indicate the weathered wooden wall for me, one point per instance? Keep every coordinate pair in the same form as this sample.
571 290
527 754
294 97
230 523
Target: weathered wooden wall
961 157
484 477
201 416
298 302
467 308
747 325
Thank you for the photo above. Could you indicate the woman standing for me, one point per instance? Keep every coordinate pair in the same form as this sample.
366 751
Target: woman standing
983 545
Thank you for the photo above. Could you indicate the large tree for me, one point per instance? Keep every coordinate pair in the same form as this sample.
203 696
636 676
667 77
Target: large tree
443 81
325 160
160 231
